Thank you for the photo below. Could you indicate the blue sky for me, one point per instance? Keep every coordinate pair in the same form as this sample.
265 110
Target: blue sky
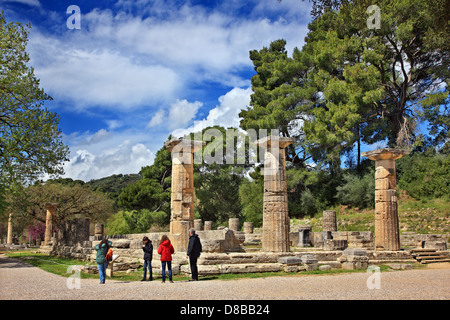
140 70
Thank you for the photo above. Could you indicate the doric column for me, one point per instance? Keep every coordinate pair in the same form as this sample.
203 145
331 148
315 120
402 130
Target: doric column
275 233
51 209
329 220
233 224
9 235
386 216
182 190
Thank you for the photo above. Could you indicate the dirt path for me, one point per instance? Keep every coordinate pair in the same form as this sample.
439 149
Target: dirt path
19 280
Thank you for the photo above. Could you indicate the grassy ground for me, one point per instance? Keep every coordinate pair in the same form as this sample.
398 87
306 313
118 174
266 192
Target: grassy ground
420 216
59 266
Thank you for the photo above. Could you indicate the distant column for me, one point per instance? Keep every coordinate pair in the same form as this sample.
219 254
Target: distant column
208 225
182 196
198 224
248 227
329 220
9 236
233 224
275 233
51 209
386 216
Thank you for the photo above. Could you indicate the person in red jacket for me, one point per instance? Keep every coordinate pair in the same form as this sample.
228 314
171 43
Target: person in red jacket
166 250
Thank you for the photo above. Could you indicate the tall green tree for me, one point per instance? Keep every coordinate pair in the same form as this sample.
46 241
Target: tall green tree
30 140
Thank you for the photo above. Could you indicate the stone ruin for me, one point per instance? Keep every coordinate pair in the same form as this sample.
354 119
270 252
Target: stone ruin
274 247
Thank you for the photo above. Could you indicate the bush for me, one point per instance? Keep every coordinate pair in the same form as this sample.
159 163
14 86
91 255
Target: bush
357 191
424 175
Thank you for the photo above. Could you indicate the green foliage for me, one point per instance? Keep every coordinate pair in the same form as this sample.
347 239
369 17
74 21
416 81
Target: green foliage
251 196
424 175
216 189
30 141
125 222
357 191
152 192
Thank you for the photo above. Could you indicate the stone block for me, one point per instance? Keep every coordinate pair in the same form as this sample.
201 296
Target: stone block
290 260
354 252
325 267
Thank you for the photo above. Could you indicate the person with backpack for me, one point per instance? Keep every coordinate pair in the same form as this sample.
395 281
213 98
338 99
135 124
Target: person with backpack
101 258
147 247
193 252
166 250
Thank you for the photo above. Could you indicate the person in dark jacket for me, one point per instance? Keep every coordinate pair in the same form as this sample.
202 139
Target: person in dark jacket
147 247
102 249
166 250
193 252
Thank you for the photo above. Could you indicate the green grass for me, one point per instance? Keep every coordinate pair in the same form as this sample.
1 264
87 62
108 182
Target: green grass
59 265
425 216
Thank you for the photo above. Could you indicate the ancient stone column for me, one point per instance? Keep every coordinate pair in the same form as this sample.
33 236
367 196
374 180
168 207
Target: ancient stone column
99 230
248 227
386 216
51 209
275 233
9 235
208 225
182 196
329 220
198 224
233 224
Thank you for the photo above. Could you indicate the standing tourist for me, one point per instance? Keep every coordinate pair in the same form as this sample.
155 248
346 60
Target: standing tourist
166 250
102 248
193 252
147 247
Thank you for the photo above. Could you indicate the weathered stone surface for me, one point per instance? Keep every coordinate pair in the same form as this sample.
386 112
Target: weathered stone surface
233 224
208 225
51 209
386 217
329 220
354 252
325 267
275 235
182 190
248 227
290 260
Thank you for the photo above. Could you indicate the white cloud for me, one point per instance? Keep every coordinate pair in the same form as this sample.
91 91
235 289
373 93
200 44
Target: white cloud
104 153
99 77
120 60
182 112
226 114
157 119
33 3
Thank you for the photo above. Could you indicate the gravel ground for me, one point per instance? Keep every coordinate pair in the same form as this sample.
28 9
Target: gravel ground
19 280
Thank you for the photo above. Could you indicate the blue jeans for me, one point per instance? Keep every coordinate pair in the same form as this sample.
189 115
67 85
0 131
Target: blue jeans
148 265
102 271
169 267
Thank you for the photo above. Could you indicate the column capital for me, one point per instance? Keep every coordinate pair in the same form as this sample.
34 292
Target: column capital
385 154
51 205
184 144
270 141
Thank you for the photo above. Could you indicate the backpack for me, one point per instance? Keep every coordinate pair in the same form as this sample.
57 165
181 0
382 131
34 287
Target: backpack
109 255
